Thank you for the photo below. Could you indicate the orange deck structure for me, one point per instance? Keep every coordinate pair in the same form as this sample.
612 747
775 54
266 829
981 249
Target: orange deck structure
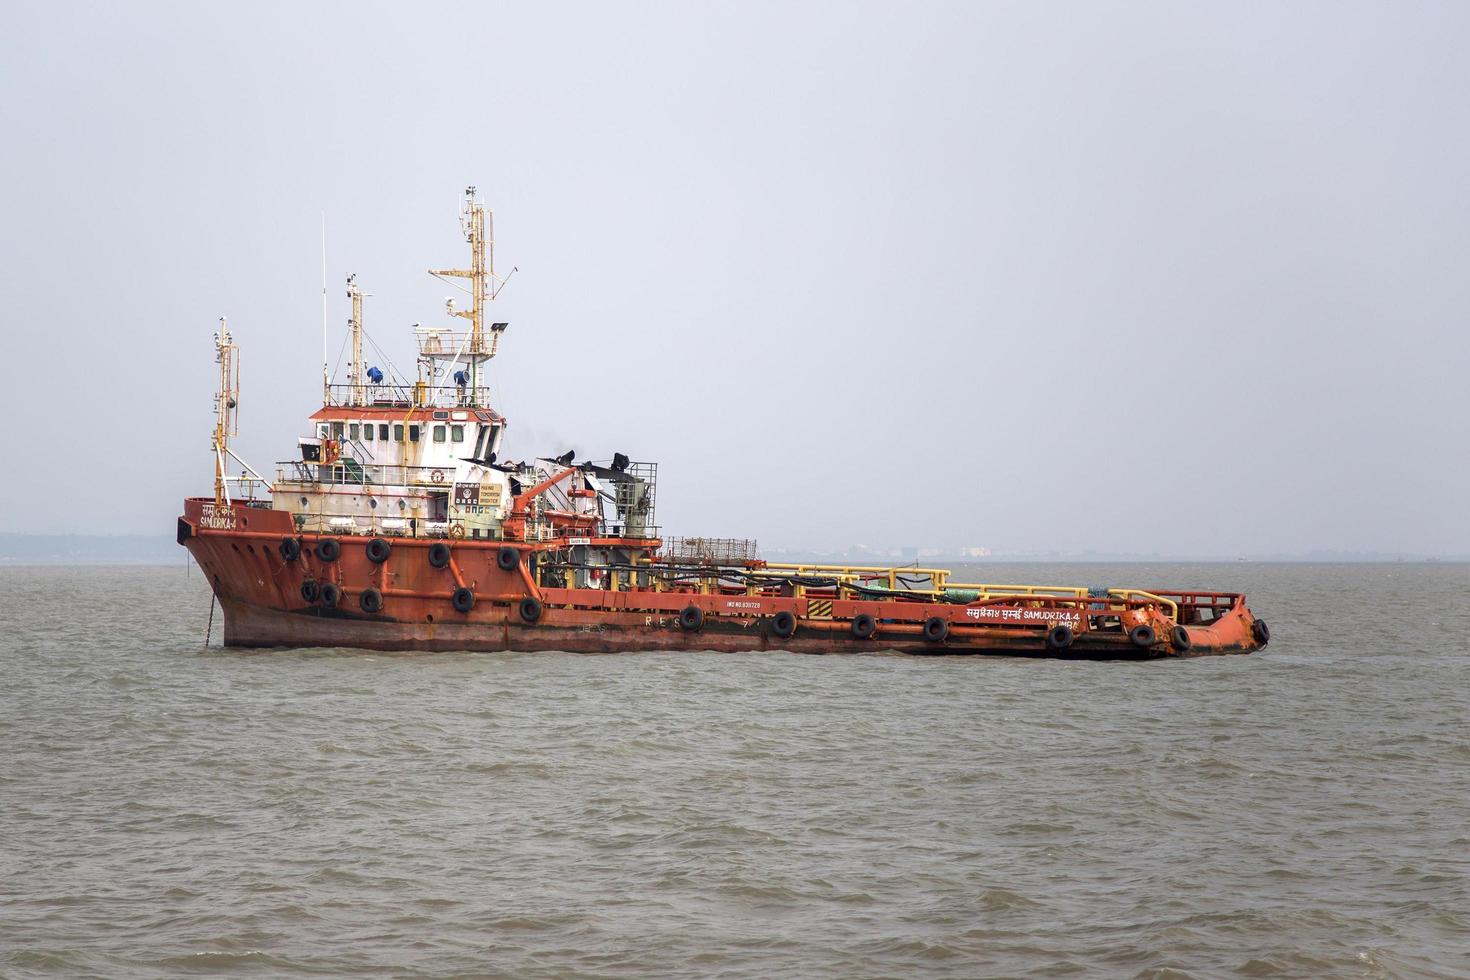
280 589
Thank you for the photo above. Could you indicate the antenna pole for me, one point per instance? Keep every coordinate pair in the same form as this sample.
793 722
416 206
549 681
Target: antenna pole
326 379
355 368
226 354
474 219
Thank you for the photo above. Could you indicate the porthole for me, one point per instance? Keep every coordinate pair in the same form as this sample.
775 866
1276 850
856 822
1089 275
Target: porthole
373 502
305 502
402 505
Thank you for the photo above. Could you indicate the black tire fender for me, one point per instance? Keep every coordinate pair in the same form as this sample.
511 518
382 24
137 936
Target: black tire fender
691 619
1060 637
1261 632
378 550
329 549
936 630
507 558
864 626
783 624
1181 639
290 549
371 600
1143 636
331 595
530 609
463 599
310 591
439 554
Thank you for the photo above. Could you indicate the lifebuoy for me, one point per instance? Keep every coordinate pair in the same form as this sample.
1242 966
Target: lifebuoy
864 626
691 618
783 624
1142 636
310 590
1060 637
290 549
439 554
437 476
507 558
1181 638
1261 632
462 599
330 595
378 550
936 630
530 610
371 600
456 531
329 549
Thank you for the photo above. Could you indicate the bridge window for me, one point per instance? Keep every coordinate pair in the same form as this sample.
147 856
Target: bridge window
438 433
367 432
413 433
383 431
338 429
456 433
397 431
352 432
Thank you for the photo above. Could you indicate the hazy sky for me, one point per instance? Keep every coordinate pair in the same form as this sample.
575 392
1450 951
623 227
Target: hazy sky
1177 278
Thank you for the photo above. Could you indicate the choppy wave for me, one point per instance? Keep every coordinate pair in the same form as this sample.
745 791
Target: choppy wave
170 810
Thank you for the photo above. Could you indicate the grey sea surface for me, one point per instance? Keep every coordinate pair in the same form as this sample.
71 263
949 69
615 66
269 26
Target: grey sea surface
167 809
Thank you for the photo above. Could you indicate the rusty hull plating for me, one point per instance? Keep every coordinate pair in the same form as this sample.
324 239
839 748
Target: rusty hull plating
405 602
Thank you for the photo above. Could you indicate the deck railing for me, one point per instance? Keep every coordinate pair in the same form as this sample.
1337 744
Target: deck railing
350 472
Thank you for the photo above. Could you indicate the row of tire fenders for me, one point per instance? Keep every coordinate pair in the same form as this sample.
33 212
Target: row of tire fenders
329 594
691 618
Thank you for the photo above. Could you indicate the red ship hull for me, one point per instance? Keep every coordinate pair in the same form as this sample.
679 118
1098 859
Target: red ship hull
263 595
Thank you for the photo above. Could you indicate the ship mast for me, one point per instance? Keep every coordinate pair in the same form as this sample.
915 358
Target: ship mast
227 355
355 367
478 223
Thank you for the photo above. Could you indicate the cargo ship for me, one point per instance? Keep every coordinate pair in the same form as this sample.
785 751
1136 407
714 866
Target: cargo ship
398 524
